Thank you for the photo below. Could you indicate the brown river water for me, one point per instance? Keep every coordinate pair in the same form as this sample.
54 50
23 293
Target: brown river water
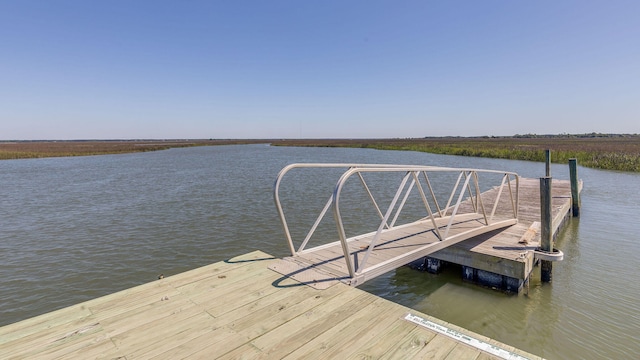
72 229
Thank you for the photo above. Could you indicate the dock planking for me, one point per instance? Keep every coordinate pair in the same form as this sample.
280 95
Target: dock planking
237 308
500 255
508 252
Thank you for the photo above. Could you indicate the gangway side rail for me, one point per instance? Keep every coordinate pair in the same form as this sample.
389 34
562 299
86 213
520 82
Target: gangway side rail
358 270
288 168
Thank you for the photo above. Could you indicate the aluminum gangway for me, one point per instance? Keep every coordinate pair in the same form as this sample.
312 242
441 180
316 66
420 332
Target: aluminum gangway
400 233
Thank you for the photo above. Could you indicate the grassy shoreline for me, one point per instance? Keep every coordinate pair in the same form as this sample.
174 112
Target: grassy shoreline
11 150
608 152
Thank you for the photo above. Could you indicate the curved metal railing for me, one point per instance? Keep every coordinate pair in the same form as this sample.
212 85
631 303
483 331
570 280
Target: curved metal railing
413 177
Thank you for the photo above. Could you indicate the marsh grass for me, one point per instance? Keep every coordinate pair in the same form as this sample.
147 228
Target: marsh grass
41 149
610 152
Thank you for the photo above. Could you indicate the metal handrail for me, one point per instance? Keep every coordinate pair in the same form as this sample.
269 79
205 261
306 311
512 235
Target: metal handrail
410 180
276 196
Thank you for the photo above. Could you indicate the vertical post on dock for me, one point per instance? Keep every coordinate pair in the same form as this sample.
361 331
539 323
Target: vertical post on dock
546 241
575 193
547 154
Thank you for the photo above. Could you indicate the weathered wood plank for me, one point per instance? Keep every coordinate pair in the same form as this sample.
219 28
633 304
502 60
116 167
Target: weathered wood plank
93 350
215 269
388 338
258 316
267 320
116 303
281 342
345 334
224 280
158 337
415 343
220 287
462 351
439 347
53 347
68 317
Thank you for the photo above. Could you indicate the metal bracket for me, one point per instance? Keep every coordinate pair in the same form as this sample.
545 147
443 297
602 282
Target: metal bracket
556 255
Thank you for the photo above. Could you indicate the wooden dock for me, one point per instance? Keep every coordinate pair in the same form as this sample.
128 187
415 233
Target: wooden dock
496 249
504 259
240 309
357 258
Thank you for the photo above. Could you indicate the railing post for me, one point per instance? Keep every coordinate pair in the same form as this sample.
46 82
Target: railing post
547 162
575 193
546 241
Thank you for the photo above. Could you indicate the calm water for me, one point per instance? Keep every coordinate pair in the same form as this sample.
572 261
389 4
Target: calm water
73 229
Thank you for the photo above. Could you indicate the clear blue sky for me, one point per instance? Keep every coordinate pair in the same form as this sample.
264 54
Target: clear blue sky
315 69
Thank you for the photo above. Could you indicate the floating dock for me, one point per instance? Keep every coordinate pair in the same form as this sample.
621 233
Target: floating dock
493 234
505 259
240 309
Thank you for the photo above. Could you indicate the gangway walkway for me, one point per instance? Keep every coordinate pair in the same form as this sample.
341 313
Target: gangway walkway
392 243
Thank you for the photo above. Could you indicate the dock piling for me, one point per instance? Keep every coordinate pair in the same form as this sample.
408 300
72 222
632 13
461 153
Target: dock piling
546 241
547 162
575 193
